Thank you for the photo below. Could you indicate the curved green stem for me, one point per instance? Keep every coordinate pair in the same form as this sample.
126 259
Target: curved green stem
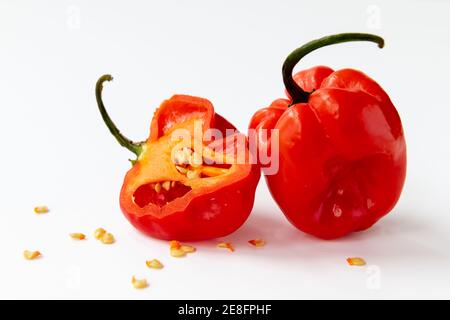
298 94
135 147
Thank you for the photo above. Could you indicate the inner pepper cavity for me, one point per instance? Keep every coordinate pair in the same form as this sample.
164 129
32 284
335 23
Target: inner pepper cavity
188 163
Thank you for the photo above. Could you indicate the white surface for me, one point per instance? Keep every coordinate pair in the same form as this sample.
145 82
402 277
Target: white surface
56 150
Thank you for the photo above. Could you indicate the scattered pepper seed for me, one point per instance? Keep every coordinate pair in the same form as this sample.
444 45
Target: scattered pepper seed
166 185
226 245
257 243
175 249
355 261
179 250
78 236
154 264
41 209
174 244
107 238
99 233
177 253
188 249
103 236
139 283
182 169
31 255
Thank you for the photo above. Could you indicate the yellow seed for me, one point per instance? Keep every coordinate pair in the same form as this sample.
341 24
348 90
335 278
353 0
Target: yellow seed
188 249
166 185
174 244
158 187
193 174
187 152
182 170
226 245
41 209
99 233
173 184
257 242
179 250
154 264
78 236
196 160
107 238
355 261
177 253
139 283
179 156
30 255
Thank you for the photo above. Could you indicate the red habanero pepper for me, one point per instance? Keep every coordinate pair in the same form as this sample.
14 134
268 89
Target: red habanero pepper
184 184
342 151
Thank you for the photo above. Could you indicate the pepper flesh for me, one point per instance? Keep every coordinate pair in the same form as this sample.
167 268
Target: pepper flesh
169 198
342 151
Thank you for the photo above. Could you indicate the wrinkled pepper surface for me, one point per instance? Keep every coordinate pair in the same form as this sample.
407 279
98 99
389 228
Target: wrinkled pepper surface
342 151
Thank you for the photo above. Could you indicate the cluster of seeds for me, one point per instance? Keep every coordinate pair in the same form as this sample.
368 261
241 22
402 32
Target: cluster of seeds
177 249
180 250
190 164
103 236
166 185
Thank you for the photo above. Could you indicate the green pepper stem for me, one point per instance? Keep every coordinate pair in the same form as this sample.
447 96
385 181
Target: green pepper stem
297 94
135 147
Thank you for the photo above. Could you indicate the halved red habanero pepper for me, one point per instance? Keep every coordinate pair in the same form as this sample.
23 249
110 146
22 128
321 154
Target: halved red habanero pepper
186 184
342 151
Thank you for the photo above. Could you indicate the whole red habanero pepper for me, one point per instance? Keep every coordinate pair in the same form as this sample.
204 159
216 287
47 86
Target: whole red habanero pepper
342 151
186 185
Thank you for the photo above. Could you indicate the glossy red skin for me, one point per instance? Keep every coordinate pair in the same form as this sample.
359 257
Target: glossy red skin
342 161
201 216
206 217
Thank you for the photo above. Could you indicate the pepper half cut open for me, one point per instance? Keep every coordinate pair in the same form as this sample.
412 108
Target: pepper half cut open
193 179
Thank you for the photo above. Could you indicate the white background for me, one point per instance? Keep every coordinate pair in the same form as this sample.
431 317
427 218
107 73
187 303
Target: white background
56 150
